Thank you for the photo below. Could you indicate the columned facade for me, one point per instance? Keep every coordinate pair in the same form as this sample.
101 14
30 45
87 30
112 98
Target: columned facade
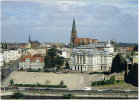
89 58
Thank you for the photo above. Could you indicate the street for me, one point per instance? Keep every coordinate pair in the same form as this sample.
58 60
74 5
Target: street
6 72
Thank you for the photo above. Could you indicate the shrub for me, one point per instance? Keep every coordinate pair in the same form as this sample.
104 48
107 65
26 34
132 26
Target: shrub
61 83
68 96
93 83
17 95
40 85
98 82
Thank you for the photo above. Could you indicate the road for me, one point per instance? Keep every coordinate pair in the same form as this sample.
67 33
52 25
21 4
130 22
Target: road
12 67
78 93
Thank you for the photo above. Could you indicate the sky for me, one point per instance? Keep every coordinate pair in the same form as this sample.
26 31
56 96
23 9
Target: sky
51 21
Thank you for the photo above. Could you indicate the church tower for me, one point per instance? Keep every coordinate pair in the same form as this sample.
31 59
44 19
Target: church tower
29 40
73 34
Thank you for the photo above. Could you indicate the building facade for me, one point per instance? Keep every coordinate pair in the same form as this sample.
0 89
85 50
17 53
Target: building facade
33 51
10 55
30 61
91 58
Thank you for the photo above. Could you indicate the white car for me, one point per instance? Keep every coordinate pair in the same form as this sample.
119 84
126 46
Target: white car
87 88
128 90
100 90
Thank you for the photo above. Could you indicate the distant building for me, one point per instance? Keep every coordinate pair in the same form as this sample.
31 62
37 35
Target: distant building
91 58
31 61
75 41
33 51
32 44
65 52
10 55
1 58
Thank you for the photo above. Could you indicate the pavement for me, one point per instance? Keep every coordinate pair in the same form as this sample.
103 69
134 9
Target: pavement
7 71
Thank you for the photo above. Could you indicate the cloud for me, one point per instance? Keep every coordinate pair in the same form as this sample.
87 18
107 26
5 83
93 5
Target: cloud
52 21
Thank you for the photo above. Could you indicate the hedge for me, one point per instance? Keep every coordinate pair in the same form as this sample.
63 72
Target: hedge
107 82
39 85
106 73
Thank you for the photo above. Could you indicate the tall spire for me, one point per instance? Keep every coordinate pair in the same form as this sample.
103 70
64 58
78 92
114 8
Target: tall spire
29 40
74 26
73 34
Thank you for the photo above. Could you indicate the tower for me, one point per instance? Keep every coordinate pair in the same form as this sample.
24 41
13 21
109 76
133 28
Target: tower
29 40
73 34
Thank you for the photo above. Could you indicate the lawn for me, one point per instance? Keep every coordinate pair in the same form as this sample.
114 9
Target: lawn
117 83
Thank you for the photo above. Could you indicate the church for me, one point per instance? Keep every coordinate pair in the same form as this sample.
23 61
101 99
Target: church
32 44
75 41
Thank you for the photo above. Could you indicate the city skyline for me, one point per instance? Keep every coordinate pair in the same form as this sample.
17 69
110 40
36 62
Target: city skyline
52 21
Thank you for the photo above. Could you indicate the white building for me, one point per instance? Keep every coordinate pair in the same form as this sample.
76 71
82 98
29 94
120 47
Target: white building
32 62
1 59
11 55
92 58
65 52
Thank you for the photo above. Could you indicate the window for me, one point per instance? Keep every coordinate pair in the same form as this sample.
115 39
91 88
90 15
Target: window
37 60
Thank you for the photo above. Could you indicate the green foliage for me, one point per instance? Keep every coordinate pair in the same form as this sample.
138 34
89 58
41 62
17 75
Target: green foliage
4 46
93 83
68 96
52 59
132 76
119 64
61 83
21 69
106 73
107 82
11 82
133 53
40 85
17 96
135 48
33 70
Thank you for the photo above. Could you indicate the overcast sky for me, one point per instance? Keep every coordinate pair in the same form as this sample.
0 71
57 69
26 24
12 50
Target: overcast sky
51 21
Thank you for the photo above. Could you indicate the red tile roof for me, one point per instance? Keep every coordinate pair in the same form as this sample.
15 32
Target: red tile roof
85 40
32 58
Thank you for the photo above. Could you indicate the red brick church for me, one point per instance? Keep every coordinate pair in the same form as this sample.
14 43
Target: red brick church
75 41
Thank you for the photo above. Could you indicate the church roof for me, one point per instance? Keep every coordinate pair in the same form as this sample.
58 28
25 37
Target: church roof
85 40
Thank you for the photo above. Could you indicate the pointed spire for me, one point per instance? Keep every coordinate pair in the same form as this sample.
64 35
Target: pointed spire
74 26
29 40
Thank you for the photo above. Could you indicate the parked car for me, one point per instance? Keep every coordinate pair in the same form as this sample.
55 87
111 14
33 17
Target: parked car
31 88
15 87
100 90
87 88
128 90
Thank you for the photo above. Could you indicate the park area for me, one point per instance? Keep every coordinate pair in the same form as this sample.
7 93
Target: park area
72 81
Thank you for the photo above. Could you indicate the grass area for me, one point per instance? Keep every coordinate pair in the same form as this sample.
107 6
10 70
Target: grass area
117 83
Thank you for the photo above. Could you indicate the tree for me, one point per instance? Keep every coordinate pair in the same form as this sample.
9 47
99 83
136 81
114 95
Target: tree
135 48
17 95
47 82
133 53
61 83
11 82
119 64
52 59
132 76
